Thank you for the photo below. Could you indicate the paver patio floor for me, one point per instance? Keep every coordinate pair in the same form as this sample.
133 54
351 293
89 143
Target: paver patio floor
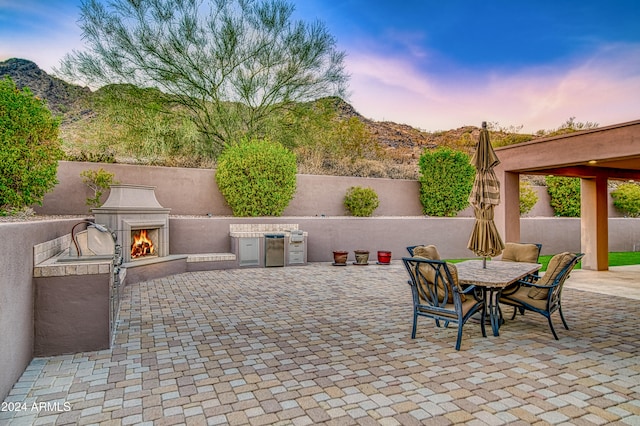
319 344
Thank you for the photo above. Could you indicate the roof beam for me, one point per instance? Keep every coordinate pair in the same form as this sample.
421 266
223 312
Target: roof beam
586 172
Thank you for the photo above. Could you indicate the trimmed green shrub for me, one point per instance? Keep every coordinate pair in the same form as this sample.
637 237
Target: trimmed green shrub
257 177
29 148
564 193
626 198
361 201
528 197
446 179
98 181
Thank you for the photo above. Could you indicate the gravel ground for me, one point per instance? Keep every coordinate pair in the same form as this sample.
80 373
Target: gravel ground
37 218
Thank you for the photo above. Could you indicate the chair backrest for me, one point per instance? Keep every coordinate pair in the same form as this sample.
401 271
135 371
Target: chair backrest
521 252
558 270
423 250
433 282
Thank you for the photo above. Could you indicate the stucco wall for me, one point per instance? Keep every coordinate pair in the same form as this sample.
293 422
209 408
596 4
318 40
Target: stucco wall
194 192
325 234
16 293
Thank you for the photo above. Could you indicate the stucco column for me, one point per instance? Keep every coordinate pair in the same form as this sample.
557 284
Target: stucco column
507 215
594 223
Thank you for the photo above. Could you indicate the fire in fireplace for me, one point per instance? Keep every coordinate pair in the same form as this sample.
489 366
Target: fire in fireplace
142 243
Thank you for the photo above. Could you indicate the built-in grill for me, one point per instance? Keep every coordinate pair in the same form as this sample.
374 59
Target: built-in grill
139 221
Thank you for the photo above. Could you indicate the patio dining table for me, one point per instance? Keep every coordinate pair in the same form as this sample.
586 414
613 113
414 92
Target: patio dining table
491 280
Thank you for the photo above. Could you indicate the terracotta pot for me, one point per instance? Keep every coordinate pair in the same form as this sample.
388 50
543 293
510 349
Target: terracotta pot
362 257
384 256
340 257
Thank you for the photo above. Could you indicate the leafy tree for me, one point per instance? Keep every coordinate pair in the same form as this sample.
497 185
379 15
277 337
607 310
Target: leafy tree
232 65
626 198
446 179
257 177
564 194
528 197
98 181
29 148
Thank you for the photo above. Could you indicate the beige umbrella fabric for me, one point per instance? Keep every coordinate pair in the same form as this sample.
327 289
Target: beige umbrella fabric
485 240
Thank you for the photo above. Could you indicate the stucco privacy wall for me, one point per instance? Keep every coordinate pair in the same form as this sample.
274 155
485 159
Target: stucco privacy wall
16 293
211 235
194 192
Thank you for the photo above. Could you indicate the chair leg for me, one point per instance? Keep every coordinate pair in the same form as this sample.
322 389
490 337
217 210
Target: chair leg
552 329
446 323
415 325
459 339
563 320
482 327
515 311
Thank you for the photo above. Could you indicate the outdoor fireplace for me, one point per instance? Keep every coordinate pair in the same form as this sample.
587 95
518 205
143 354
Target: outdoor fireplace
140 222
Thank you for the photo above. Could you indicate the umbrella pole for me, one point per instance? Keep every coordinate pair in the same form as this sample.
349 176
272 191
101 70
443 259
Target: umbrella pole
484 262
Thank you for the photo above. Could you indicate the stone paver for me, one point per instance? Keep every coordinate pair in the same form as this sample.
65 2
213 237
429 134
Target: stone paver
323 344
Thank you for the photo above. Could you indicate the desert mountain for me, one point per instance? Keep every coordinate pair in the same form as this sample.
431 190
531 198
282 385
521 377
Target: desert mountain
63 97
59 94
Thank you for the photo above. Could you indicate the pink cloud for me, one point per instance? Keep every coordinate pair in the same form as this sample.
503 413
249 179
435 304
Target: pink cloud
604 88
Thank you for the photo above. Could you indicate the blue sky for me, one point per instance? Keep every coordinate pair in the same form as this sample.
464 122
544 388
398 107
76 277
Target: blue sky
437 64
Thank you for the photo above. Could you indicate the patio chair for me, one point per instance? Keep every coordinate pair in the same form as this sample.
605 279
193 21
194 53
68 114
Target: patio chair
544 295
521 252
437 295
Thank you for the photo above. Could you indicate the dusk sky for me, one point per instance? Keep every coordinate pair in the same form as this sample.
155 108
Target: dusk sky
437 64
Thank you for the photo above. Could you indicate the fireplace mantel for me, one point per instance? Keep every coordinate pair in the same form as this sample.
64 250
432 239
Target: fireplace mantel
134 207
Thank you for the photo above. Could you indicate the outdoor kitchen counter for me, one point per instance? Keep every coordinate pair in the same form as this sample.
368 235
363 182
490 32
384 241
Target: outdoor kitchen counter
260 234
258 230
52 267
257 245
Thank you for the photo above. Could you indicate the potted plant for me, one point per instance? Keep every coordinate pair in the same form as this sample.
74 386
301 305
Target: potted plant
384 257
362 257
340 257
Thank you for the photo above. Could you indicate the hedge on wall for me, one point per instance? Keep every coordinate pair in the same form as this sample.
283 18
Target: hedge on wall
29 148
257 177
564 194
528 197
446 179
626 198
361 201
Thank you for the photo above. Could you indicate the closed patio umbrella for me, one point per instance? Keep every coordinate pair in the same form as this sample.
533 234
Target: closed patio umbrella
485 240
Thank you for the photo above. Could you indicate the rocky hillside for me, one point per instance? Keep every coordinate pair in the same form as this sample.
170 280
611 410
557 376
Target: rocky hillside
72 103
60 95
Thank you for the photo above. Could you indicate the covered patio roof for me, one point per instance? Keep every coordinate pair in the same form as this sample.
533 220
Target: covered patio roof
595 156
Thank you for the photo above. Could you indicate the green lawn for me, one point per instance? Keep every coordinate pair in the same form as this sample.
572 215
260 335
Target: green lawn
615 259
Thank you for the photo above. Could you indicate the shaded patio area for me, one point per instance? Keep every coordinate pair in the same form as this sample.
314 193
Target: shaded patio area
331 345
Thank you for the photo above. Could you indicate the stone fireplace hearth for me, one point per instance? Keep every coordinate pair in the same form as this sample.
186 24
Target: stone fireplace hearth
130 210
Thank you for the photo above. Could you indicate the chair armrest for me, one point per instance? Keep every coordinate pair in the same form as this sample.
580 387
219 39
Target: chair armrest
530 284
467 289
